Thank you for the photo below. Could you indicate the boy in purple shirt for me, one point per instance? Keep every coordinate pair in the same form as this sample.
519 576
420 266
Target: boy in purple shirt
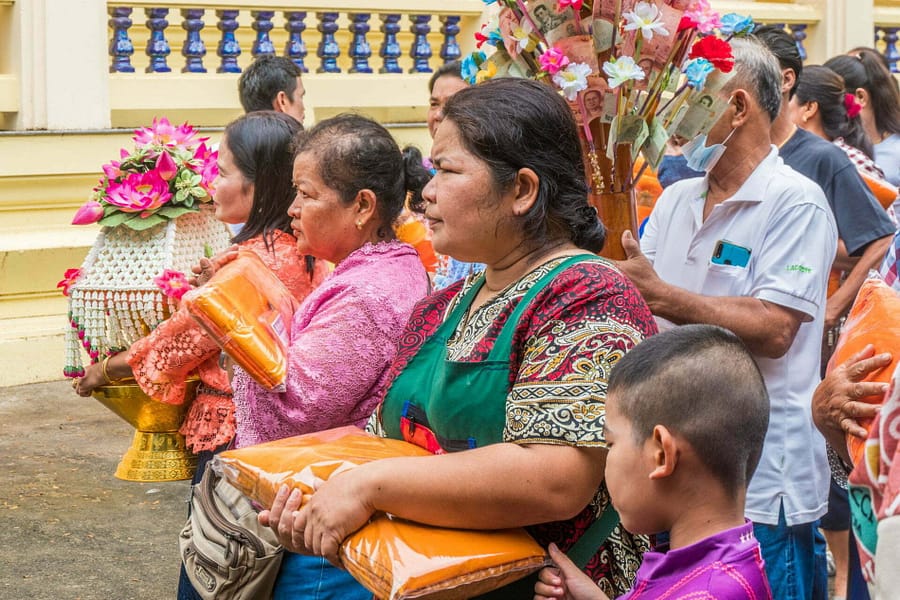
686 415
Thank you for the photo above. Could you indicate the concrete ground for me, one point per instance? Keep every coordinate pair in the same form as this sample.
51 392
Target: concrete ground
68 528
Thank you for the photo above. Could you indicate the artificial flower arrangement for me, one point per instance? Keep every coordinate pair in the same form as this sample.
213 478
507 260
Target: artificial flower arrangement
155 206
634 72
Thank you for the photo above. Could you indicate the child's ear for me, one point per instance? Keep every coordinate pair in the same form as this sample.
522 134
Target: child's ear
665 453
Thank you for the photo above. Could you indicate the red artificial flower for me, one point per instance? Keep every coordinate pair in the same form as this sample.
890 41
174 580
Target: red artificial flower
69 279
687 23
716 51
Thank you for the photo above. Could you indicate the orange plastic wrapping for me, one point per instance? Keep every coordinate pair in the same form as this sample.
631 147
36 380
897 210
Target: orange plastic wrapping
884 191
248 311
874 319
414 233
395 559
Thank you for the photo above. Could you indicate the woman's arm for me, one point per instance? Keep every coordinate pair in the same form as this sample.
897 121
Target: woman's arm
494 487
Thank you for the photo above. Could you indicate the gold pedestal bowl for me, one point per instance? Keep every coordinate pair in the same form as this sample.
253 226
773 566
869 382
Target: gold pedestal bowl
157 452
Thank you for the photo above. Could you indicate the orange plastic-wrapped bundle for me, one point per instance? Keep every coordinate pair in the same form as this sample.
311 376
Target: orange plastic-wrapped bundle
874 319
248 311
395 559
414 233
884 191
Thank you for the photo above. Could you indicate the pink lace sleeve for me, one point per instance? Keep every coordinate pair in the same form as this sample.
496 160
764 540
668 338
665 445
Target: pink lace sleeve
163 360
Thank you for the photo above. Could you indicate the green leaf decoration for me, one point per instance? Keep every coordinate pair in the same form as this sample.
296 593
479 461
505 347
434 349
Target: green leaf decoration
115 219
173 212
198 192
181 195
139 224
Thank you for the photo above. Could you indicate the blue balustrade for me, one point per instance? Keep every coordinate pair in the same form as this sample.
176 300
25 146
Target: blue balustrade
120 48
193 49
262 25
229 49
798 31
890 47
328 50
295 49
421 48
390 48
157 44
450 49
360 50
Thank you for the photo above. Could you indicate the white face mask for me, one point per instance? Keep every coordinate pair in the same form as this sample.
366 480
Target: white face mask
701 157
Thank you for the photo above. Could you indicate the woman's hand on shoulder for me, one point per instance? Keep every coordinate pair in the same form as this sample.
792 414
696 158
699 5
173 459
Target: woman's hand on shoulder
207 267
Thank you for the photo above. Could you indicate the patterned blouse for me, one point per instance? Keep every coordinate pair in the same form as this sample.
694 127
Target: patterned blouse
179 347
564 347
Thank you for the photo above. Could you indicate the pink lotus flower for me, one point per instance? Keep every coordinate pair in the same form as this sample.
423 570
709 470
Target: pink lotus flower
208 166
553 61
112 170
139 192
162 132
173 283
90 212
69 279
165 166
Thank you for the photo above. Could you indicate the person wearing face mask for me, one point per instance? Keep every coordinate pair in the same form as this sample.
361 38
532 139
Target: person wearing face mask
748 247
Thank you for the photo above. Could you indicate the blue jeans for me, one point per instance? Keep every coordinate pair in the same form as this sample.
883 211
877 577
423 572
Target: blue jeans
793 569
314 578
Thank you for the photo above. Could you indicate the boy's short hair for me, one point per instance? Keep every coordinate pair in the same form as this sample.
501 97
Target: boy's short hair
260 83
701 383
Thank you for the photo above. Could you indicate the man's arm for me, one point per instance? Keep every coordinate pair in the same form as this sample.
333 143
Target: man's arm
768 329
839 303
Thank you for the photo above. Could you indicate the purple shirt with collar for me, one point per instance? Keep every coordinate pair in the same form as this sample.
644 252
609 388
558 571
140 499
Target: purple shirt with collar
725 566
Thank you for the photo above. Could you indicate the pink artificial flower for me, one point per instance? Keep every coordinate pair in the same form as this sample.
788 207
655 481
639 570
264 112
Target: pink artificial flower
90 212
69 279
173 283
553 61
139 192
166 167
162 132
574 4
112 170
703 15
207 166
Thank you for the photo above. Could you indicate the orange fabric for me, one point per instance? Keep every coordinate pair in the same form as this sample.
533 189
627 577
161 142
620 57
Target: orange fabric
393 558
647 190
415 233
873 319
884 191
248 311
179 347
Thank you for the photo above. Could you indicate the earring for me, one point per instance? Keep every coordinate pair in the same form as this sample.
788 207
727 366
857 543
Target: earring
359 225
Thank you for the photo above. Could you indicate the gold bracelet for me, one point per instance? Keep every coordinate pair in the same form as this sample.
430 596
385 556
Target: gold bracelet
103 365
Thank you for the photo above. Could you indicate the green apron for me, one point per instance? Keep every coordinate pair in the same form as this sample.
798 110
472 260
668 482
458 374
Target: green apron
447 406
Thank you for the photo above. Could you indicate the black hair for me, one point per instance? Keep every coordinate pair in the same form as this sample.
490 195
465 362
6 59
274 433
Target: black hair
867 72
448 69
354 153
260 143
701 383
260 83
513 124
784 47
826 88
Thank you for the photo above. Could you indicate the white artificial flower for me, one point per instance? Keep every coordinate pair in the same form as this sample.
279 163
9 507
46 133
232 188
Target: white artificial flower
622 70
522 35
572 80
645 17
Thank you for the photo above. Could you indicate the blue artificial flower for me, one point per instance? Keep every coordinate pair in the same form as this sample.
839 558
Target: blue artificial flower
697 71
489 2
735 24
470 66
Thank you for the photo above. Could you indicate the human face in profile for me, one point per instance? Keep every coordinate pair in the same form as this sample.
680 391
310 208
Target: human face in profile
444 88
233 199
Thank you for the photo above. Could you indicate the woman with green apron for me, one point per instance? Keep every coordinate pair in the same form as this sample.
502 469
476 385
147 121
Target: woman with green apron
502 376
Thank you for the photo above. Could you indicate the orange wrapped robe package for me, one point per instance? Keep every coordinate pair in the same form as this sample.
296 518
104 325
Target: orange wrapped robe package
248 311
874 319
395 559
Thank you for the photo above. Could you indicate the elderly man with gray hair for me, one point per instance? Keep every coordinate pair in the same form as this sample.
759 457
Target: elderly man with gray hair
748 247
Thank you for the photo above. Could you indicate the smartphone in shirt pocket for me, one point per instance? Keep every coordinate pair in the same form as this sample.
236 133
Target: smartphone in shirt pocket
727 253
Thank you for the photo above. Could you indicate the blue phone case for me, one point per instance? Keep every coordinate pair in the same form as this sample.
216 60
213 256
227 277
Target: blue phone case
727 253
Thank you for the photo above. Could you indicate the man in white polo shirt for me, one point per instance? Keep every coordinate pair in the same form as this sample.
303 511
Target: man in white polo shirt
749 247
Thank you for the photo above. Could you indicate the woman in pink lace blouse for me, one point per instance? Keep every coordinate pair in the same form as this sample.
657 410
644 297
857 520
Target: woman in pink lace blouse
253 187
351 181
